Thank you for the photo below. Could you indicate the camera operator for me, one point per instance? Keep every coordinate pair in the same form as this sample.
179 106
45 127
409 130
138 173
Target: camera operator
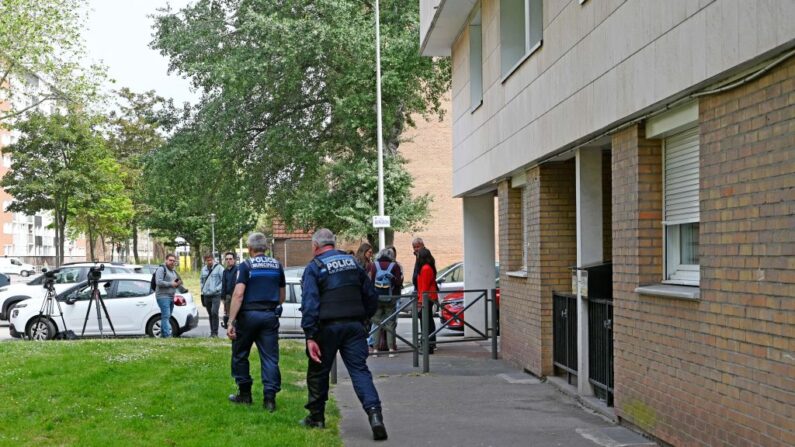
167 281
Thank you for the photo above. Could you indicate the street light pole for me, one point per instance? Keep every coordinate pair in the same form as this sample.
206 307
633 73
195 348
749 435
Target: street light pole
381 231
212 222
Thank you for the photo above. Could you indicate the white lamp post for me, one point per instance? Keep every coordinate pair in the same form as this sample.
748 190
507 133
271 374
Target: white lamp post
381 231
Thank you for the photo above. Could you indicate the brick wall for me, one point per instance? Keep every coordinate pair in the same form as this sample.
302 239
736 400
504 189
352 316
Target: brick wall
428 149
719 371
293 252
526 303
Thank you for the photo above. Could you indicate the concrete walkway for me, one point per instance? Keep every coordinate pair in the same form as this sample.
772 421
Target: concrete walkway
470 400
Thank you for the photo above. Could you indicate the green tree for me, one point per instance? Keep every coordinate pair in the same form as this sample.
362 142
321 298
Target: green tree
326 201
42 38
136 128
289 88
105 209
184 182
58 163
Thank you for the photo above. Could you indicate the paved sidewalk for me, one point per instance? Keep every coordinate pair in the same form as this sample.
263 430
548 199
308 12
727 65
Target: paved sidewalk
470 400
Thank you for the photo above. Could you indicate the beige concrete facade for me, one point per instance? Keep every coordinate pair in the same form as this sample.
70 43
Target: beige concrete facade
601 63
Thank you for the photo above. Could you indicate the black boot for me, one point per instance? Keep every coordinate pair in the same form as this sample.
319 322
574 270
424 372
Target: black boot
269 403
377 424
314 420
243 395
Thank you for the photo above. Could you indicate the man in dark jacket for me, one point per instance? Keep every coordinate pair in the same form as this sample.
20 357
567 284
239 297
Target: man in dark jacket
337 297
228 284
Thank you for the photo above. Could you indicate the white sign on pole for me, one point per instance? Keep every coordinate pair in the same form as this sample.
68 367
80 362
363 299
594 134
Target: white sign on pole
381 222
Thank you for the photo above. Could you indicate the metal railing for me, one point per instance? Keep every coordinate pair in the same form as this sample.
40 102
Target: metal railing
420 335
564 334
600 347
488 297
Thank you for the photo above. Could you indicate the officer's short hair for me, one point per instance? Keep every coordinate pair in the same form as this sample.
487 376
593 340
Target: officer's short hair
386 253
258 242
323 237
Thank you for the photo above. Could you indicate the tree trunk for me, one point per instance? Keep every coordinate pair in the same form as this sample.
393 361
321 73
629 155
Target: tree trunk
91 242
135 242
57 238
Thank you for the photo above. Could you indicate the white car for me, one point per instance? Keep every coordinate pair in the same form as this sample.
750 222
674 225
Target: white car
290 321
128 298
13 266
65 277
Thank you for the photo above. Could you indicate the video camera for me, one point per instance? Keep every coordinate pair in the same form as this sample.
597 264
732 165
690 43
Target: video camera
49 278
95 272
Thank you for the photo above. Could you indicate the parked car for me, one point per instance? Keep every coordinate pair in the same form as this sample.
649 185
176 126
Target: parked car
4 280
65 276
13 266
290 321
452 304
294 272
129 301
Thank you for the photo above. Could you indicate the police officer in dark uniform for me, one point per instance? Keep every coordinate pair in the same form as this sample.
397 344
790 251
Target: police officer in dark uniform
254 318
337 298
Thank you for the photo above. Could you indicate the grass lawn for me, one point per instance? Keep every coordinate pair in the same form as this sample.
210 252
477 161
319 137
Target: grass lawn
149 392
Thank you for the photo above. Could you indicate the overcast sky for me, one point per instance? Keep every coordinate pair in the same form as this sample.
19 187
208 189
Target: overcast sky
119 34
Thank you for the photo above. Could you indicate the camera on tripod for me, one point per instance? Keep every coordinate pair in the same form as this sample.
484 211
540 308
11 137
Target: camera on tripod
49 278
95 272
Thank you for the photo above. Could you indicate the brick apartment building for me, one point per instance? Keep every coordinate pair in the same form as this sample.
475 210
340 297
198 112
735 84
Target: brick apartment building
643 157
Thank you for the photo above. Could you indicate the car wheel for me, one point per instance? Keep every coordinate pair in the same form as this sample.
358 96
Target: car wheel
40 328
25 273
153 327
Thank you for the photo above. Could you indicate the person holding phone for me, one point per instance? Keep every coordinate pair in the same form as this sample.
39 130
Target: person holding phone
167 281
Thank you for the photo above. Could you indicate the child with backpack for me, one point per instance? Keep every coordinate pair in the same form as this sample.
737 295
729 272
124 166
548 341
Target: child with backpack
387 278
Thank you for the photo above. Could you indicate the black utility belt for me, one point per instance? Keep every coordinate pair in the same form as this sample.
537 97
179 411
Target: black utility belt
260 306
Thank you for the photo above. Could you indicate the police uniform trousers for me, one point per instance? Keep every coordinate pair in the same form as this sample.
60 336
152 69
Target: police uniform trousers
260 327
350 339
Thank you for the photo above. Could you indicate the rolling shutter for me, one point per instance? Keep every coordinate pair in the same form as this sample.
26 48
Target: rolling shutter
681 177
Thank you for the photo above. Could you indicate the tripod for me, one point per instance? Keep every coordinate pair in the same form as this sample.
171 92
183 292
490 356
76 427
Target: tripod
97 301
48 306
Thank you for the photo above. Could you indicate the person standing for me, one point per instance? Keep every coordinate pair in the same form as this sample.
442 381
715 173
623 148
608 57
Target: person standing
228 284
364 256
254 319
427 288
387 278
337 298
167 281
416 244
211 285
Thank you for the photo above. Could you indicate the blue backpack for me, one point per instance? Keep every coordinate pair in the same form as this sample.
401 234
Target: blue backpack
383 281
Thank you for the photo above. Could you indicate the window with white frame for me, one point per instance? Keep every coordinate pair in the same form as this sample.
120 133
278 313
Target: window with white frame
475 60
681 207
521 23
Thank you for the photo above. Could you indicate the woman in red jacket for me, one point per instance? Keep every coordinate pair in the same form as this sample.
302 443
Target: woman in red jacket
426 282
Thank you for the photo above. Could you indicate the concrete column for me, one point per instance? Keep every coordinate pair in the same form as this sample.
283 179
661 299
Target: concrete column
479 255
589 246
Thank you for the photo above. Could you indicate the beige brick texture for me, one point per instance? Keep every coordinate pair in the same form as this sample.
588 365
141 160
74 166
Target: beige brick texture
719 371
